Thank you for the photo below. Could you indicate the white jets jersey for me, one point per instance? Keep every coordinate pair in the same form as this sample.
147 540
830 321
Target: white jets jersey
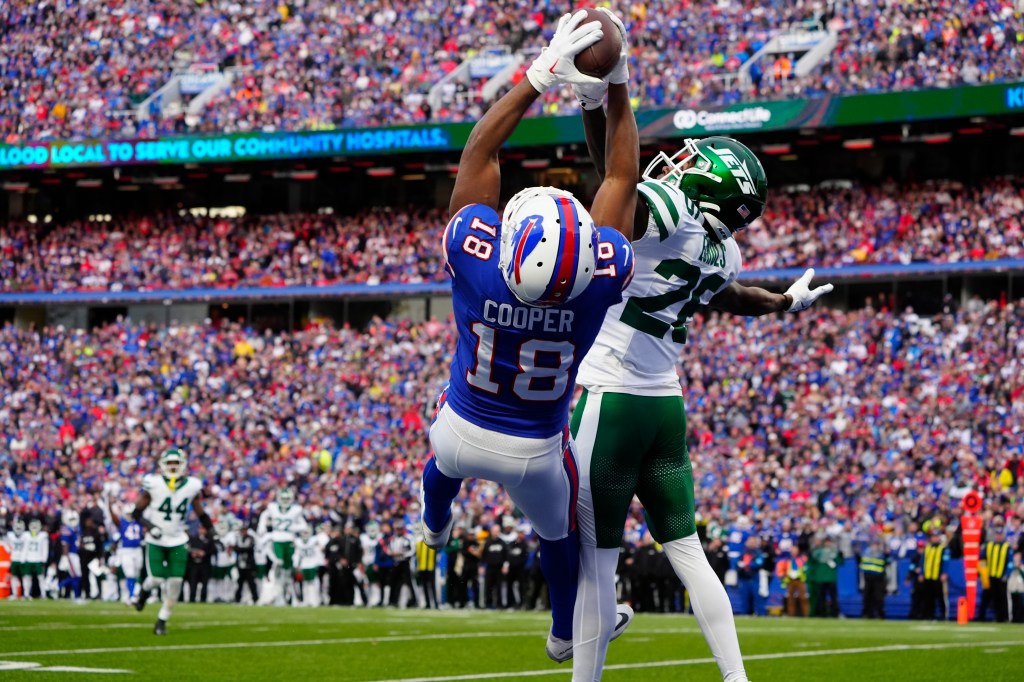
16 546
282 524
226 549
369 546
37 548
679 268
308 553
168 507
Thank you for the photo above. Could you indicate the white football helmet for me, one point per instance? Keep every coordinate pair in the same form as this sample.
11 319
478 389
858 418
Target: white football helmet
172 463
285 497
70 518
19 526
548 246
306 532
35 525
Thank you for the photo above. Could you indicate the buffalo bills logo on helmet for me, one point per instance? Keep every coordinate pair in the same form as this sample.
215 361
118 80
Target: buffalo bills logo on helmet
528 236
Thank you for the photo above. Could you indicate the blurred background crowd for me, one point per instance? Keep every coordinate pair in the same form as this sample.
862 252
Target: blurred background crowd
840 427
76 69
938 221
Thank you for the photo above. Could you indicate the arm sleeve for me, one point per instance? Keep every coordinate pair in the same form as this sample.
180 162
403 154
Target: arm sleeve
478 219
615 260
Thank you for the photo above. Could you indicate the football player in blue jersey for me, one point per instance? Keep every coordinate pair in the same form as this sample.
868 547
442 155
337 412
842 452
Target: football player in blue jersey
530 288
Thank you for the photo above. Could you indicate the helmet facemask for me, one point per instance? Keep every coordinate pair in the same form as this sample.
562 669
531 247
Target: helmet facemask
728 185
172 463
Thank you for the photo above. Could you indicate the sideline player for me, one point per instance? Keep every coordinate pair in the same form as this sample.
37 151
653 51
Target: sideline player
169 493
15 542
129 551
630 424
281 521
529 288
37 555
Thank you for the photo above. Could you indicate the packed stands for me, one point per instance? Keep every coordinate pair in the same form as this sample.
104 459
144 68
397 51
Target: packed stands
80 68
893 223
847 422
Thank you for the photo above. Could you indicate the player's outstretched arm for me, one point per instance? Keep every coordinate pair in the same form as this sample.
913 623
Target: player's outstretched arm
614 144
479 178
204 518
615 203
755 301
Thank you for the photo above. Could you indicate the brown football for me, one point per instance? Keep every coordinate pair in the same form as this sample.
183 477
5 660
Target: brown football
600 58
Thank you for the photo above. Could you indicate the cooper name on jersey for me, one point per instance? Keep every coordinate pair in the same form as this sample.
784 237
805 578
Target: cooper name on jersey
528 318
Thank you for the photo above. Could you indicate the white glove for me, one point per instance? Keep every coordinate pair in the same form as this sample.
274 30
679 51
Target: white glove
620 74
555 62
803 296
155 532
591 95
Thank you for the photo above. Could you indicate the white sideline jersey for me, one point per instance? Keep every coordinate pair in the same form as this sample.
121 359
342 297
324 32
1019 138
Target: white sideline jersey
16 545
679 268
308 553
168 508
282 524
37 547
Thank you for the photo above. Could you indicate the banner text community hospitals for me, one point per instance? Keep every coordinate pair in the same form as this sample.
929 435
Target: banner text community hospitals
248 146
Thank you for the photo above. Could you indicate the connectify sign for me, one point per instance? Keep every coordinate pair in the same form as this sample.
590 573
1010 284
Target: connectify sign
742 119
223 148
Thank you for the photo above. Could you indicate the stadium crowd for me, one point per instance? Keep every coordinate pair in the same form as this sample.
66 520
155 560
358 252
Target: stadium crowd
825 432
79 68
938 222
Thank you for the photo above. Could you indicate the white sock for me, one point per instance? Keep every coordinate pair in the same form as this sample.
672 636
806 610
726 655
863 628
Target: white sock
594 616
710 605
171 592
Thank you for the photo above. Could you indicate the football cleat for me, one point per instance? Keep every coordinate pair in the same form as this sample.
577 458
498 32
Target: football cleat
140 601
160 628
560 650
435 540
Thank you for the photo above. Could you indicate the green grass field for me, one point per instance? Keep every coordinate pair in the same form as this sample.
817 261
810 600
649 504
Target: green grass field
215 642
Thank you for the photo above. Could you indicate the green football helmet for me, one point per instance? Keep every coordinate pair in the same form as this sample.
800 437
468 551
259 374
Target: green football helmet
172 463
722 176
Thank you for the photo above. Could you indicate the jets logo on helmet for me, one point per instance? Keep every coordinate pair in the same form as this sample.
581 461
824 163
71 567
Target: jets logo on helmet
172 463
722 176
548 246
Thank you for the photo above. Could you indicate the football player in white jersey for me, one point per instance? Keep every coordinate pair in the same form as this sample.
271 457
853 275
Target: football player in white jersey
369 577
224 560
630 424
15 543
281 521
310 558
169 495
37 554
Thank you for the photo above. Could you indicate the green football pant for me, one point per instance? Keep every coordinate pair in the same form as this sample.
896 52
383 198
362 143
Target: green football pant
166 562
285 553
632 445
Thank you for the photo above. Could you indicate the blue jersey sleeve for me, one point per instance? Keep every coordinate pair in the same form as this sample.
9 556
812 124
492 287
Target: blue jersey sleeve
472 233
615 260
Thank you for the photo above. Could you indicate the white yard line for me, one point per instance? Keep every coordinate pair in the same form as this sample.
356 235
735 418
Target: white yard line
286 643
701 661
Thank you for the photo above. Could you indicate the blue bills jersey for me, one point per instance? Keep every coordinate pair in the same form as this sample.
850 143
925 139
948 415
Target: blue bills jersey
69 536
515 365
131 534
